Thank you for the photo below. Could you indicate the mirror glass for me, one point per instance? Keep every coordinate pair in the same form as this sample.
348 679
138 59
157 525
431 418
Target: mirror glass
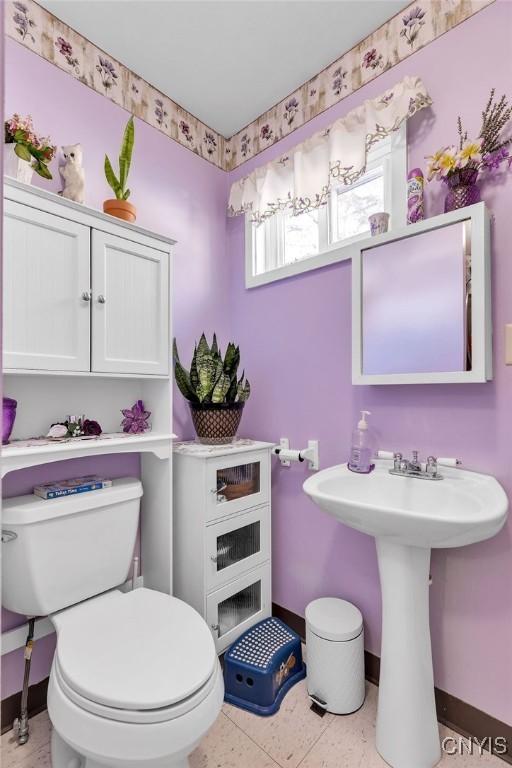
416 303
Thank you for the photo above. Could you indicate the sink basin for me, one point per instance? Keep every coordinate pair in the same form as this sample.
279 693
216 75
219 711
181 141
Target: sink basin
408 517
463 508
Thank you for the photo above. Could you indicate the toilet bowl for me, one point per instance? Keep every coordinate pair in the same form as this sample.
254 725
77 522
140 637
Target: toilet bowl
135 682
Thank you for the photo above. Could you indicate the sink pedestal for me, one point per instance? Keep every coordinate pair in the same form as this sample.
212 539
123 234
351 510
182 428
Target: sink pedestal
407 730
408 517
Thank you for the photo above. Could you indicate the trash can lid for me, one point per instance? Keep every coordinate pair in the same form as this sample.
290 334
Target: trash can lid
334 619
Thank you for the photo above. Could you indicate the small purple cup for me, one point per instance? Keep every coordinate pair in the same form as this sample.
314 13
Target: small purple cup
8 416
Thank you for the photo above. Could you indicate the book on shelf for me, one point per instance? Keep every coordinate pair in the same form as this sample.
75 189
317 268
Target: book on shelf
69 487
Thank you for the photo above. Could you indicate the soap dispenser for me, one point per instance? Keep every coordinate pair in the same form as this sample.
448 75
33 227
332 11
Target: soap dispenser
361 449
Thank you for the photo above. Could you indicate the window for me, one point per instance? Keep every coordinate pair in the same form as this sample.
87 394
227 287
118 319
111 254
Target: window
286 245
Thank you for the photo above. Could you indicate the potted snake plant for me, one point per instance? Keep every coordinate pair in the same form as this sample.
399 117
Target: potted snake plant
119 206
215 394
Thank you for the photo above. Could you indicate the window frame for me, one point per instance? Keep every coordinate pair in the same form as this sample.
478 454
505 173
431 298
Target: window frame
393 151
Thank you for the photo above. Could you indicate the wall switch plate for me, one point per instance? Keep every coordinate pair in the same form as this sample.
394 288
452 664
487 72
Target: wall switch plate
508 344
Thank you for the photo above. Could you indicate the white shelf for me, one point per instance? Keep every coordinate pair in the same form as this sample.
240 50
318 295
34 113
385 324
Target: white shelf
15 456
88 374
200 451
17 190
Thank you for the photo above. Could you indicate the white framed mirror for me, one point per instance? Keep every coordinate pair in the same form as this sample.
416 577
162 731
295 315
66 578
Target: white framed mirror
421 302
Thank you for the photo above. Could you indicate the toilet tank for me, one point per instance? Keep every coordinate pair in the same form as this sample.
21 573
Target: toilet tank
69 549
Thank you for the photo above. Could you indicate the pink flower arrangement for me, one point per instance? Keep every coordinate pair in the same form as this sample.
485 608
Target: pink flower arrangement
37 150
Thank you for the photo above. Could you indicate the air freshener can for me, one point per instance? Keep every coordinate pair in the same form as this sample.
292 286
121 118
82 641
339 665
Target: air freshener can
415 188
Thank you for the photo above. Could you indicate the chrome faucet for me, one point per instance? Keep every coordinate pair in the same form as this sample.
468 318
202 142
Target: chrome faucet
413 467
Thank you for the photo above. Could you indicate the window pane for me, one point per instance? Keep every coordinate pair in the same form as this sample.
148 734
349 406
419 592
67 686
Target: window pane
354 205
258 248
301 238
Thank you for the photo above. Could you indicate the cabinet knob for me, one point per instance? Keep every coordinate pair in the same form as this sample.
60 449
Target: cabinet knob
86 296
101 299
217 491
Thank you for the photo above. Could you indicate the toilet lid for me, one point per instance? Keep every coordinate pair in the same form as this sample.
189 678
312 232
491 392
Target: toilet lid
136 650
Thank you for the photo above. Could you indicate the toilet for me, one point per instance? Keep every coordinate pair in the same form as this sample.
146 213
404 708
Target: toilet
135 679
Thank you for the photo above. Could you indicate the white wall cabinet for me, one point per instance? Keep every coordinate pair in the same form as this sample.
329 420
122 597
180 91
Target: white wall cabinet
83 293
46 298
222 538
59 257
130 309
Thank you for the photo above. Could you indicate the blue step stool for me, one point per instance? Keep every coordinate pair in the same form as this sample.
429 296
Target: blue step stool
261 667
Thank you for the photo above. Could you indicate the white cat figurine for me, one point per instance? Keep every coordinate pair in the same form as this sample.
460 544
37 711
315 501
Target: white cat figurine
72 173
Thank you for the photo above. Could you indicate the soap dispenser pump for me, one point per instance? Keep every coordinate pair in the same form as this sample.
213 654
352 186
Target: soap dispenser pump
361 449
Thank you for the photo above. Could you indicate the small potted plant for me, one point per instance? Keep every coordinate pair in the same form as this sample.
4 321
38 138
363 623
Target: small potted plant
461 167
119 206
215 394
24 151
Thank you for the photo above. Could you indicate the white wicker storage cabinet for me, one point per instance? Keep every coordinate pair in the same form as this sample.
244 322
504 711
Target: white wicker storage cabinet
222 563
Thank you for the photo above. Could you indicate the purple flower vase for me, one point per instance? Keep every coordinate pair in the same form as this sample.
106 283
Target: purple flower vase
8 416
462 189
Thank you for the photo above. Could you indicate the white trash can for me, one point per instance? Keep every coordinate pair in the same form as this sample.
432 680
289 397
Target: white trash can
335 655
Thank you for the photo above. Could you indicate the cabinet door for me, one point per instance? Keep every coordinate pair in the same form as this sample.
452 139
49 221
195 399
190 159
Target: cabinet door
46 291
236 545
236 607
130 307
237 483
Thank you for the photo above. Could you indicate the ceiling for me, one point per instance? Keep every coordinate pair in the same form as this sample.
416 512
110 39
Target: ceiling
225 61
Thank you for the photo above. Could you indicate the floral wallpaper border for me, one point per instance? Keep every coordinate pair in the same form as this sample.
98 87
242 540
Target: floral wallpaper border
37 29
420 23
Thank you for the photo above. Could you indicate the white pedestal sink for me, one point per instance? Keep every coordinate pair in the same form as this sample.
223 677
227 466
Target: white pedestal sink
409 516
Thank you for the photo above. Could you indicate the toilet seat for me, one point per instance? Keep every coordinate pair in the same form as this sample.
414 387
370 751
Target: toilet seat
140 656
140 716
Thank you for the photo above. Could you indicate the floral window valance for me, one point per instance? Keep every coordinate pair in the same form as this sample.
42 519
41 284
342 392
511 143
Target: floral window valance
301 179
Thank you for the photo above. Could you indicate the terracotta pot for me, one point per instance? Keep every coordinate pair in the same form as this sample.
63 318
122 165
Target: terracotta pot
122 209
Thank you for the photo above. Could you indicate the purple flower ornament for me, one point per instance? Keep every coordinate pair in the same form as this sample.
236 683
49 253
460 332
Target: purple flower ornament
136 419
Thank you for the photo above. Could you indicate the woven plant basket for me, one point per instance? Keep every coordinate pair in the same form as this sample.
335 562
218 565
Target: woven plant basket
216 423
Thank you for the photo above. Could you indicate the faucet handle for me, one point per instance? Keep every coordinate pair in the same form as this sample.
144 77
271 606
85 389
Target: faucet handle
395 455
431 467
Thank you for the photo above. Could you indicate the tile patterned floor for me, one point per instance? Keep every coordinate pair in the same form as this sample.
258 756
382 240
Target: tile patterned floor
294 737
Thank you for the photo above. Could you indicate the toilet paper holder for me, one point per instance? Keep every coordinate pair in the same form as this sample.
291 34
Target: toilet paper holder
286 455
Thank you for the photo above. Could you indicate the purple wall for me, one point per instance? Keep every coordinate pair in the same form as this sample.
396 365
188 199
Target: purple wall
176 193
296 346
300 368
